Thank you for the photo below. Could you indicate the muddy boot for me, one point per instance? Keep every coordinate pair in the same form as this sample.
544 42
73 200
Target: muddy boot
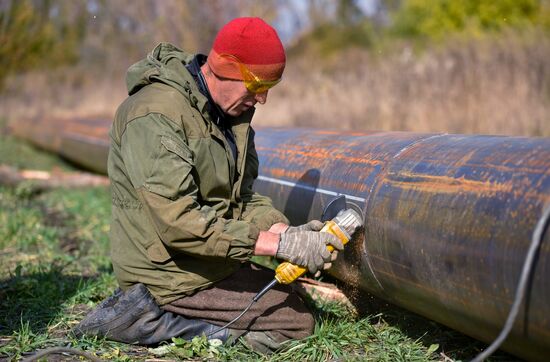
261 341
134 317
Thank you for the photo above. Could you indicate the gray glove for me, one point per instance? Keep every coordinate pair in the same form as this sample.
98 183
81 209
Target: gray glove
308 249
313 225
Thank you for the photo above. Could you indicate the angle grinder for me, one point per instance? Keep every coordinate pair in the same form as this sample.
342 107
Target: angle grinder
343 225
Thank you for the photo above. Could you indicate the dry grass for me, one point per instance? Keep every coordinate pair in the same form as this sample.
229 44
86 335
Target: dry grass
64 93
488 86
485 86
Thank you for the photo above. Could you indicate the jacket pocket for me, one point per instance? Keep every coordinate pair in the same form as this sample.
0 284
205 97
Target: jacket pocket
179 148
171 174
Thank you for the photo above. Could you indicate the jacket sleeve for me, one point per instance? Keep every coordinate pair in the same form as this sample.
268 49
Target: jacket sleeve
257 209
161 168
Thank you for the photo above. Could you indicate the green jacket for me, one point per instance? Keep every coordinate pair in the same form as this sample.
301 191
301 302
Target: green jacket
184 214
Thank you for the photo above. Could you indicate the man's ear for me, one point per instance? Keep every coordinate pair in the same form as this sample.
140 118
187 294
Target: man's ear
205 69
209 78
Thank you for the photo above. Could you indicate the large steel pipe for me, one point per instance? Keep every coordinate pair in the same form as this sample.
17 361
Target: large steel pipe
448 218
83 141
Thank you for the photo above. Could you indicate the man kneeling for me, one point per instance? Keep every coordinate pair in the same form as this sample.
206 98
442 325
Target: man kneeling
185 220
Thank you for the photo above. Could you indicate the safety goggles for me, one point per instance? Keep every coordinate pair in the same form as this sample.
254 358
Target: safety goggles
251 81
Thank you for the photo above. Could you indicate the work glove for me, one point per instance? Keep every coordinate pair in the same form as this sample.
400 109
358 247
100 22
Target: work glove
308 249
313 225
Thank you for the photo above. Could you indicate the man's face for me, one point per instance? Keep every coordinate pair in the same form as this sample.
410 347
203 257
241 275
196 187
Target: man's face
233 97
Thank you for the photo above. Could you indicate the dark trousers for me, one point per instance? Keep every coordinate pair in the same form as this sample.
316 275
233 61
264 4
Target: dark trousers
281 311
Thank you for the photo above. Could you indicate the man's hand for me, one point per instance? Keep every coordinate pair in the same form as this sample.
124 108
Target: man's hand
313 225
308 249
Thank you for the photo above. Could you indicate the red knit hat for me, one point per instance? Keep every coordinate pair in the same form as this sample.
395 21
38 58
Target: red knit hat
254 43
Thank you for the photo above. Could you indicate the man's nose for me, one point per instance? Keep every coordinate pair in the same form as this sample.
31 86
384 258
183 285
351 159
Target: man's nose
261 97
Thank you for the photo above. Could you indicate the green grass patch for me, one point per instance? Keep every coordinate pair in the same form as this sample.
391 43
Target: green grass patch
55 265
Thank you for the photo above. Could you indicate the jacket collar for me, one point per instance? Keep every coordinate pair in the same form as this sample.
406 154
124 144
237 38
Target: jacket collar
215 112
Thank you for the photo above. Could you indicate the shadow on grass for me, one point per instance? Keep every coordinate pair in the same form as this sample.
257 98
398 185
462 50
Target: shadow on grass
452 343
43 287
36 297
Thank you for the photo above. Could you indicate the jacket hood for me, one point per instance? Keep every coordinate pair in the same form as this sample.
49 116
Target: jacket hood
164 64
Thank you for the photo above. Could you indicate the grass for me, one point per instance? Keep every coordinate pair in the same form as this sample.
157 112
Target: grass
55 267
339 336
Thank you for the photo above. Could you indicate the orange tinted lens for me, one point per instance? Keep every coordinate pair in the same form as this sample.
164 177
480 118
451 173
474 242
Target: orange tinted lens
259 86
252 82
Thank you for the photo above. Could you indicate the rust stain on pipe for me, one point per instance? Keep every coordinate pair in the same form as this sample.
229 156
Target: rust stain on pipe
446 184
448 218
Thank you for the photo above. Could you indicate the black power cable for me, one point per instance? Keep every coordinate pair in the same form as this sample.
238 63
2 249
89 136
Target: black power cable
254 300
536 240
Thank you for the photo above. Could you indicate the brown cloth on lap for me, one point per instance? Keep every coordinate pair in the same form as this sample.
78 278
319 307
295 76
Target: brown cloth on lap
279 310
